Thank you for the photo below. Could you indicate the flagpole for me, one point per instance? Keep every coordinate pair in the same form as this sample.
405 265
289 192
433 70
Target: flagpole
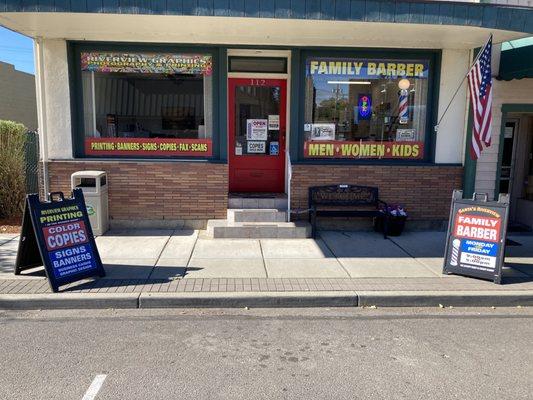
461 84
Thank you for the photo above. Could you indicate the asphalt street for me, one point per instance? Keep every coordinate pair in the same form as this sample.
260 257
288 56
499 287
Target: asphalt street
268 354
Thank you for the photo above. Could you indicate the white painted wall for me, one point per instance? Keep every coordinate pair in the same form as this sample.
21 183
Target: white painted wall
504 92
450 136
53 75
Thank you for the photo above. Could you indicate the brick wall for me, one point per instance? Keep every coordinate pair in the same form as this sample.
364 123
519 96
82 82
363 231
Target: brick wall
155 190
199 191
425 191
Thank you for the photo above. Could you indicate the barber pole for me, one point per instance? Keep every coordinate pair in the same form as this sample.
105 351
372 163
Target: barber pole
403 109
455 252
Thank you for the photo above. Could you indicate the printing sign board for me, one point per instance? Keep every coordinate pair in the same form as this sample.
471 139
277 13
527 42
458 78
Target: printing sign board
58 235
475 243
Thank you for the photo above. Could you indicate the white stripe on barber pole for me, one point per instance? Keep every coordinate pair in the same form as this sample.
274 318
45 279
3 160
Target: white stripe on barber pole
95 387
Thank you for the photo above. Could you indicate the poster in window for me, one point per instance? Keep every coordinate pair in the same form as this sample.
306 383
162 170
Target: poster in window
273 122
274 148
405 135
323 132
256 146
364 107
256 129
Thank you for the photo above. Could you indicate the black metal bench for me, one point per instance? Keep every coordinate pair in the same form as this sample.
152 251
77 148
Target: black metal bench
340 201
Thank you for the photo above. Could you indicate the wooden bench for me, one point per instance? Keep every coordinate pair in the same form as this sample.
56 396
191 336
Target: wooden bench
345 201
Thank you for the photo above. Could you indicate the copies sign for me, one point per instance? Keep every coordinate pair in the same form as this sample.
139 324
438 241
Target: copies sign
476 238
58 235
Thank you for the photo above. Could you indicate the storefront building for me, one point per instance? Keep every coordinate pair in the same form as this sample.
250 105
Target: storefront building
186 103
507 167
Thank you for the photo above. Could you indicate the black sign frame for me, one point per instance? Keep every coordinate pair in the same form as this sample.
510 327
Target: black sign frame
32 250
478 251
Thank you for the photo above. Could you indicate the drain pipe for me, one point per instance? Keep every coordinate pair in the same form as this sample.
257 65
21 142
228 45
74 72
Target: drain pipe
41 111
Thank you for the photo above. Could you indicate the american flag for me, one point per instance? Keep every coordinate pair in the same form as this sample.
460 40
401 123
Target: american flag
480 85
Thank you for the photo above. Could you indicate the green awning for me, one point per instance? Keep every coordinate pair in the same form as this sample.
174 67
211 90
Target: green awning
516 63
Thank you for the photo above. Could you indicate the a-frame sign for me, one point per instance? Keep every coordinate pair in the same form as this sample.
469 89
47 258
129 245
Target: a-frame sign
58 235
475 243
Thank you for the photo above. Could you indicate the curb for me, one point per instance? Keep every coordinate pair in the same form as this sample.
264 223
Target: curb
248 299
52 301
59 301
445 298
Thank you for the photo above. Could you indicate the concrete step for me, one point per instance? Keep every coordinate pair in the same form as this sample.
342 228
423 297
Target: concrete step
219 228
256 215
278 201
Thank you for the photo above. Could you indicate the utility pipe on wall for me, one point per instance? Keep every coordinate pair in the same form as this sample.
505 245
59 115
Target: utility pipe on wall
41 110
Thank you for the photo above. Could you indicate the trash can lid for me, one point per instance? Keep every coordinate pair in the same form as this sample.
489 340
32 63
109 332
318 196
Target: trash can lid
89 174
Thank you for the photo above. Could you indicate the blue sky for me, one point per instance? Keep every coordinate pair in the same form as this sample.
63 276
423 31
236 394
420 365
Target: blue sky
16 49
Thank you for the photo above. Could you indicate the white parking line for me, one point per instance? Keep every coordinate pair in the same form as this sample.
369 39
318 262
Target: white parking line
95 387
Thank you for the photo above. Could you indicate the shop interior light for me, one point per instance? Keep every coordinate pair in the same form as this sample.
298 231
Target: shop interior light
349 82
404 84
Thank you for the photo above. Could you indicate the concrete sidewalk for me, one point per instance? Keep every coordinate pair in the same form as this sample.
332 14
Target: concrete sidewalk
172 268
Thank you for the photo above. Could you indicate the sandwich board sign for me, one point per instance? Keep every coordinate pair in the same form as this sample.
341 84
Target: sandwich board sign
475 243
57 234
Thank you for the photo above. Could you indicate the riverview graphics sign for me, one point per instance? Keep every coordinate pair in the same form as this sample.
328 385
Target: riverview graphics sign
147 63
476 237
58 235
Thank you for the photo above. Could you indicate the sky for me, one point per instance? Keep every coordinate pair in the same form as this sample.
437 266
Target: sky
16 49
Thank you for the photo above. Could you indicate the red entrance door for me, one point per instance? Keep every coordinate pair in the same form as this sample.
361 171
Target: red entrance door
256 139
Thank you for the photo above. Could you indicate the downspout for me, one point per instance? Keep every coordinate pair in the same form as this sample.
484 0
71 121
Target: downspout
470 165
41 111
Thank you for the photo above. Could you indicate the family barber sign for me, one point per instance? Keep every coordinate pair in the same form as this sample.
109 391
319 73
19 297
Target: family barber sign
58 235
475 243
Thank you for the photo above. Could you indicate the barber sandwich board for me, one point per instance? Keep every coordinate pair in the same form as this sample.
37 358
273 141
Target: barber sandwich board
475 243
58 235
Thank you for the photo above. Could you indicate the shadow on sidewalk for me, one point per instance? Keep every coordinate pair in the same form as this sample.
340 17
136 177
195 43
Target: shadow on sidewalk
149 232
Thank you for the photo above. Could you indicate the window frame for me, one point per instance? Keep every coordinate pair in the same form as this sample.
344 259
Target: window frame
434 59
77 112
250 57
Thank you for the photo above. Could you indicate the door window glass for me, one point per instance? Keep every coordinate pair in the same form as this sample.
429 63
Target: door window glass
257 120
507 157
258 64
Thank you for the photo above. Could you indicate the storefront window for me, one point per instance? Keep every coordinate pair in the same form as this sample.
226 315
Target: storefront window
365 108
147 104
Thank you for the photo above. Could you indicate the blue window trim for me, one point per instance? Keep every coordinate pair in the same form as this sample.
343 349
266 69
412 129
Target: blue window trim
434 58
219 80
